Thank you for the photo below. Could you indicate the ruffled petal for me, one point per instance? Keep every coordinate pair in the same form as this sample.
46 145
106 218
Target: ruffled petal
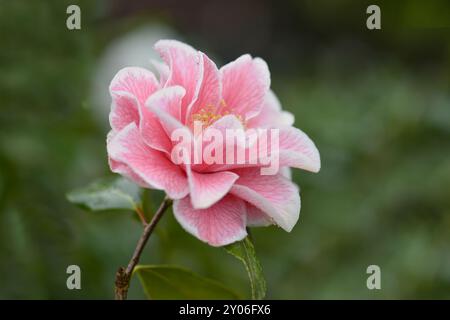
186 70
245 83
275 195
221 224
129 89
208 188
152 166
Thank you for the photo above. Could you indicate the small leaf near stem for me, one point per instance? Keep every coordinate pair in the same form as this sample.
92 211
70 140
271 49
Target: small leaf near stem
245 252
107 194
123 275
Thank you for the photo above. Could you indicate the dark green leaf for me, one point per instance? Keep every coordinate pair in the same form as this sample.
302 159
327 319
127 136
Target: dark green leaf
171 282
107 194
245 252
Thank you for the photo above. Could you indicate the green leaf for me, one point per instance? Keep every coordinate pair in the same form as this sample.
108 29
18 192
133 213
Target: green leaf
171 282
245 252
107 194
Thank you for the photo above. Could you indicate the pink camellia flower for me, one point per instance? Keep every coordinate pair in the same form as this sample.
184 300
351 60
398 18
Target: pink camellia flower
214 202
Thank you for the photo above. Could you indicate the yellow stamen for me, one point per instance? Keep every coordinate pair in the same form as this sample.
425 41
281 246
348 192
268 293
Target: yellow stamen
209 114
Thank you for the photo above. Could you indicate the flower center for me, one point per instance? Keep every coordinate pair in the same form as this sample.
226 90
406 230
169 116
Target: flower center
210 114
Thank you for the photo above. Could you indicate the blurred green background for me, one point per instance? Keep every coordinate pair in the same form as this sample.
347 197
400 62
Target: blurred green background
376 103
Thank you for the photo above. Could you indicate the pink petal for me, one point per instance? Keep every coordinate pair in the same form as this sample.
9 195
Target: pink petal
256 217
127 172
245 83
271 115
275 195
165 104
150 165
221 224
152 132
124 110
130 88
208 188
185 69
122 168
138 82
210 90
297 150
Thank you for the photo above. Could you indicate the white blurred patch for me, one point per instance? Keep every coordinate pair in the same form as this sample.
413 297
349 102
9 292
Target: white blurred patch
135 48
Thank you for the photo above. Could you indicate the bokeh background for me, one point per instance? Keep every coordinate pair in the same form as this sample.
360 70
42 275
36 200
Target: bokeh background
377 104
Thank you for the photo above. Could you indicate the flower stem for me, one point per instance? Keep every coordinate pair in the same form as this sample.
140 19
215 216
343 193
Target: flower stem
123 276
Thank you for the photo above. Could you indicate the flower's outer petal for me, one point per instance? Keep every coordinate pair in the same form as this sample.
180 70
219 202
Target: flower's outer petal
139 82
129 89
210 90
122 168
295 149
124 110
127 172
271 115
152 166
275 195
256 217
245 83
185 69
221 224
165 104
152 132
208 188
298 150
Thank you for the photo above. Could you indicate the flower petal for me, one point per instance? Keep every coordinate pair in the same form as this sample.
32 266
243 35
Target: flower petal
152 166
152 132
165 104
245 83
130 88
271 115
275 195
298 150
210 90
256 217
208 188
122 168
139 82
221 224
124 110
185 69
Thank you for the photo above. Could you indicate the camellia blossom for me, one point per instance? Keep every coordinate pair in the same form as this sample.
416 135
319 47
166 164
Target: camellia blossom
214 202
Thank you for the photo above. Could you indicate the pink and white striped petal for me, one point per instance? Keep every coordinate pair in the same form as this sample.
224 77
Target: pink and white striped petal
165 104
275 195
185 70
138 82
208 188
221 224
210 90
245 83
152 166
298 150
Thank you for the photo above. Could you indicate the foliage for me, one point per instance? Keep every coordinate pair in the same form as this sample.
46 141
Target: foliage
376 104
